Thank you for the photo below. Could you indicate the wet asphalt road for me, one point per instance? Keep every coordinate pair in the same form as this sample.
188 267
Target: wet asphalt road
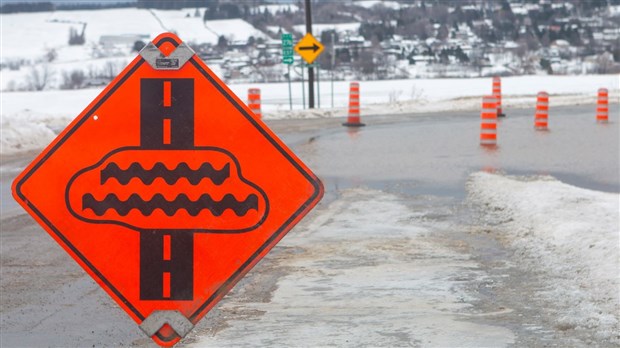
48 300
435 153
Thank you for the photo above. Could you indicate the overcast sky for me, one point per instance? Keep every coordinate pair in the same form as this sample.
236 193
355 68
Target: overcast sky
70 1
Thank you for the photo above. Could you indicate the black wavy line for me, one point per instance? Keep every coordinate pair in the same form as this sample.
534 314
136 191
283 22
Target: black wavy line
217 208
159 170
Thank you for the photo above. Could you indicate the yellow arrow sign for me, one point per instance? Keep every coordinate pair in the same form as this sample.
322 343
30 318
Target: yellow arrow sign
309 48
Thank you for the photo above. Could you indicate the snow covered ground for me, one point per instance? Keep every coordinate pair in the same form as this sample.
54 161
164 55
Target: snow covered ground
40 41
570 235
50 30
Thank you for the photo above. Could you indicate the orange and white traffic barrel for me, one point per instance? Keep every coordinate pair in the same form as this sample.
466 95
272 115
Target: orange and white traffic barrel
254 101
488 124
602 106
497 92
542 111
353 120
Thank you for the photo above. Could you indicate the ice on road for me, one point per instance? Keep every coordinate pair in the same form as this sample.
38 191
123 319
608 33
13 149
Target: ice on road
366 271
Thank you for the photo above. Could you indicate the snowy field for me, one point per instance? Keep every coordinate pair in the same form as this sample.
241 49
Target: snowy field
42 43
30 120
50 30
570 235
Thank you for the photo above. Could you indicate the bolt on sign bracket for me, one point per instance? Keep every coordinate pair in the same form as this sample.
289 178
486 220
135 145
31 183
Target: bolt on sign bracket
154 322
174 61
167 189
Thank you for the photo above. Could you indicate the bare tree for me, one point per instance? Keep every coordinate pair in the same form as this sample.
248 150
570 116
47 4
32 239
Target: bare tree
366 64
51 55
439 13
39 78
111 69
73 80
443 33
605 63
11 86
529 63
76 38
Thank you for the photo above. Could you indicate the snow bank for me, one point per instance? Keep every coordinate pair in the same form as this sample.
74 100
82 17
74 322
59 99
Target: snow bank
28 131
569 234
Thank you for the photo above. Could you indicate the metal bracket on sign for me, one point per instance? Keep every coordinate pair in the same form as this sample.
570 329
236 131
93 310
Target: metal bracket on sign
175 319
174 61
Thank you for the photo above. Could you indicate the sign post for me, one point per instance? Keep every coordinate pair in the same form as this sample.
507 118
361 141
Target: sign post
288 59
303 86
318 83
333 57
144 189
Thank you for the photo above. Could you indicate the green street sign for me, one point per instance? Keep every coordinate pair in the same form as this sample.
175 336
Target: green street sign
287 49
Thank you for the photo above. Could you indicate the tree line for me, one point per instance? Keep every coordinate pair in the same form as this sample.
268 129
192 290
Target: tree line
19 7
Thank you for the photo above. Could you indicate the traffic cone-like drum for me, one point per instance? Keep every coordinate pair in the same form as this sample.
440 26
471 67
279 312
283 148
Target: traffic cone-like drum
254 101
542 111
488 124
497 93
354 106
602 106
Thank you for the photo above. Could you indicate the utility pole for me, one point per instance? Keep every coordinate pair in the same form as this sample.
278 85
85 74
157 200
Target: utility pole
310 68
333 65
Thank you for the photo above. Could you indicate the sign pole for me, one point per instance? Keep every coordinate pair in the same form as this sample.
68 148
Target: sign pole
303 87
290 94
332 75
310 69
288 59
333 66
318 84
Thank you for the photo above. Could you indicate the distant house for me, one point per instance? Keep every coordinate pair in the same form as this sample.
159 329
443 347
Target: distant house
122 40
423 59
611 34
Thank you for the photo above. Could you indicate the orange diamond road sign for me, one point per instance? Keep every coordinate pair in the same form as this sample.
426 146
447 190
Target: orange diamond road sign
309 48
167 189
